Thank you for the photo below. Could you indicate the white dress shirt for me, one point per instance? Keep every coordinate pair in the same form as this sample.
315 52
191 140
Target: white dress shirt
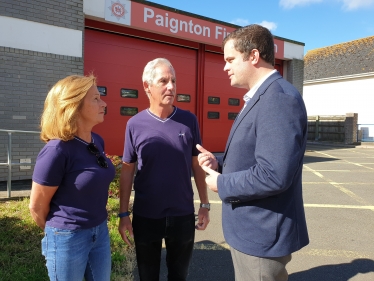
254 89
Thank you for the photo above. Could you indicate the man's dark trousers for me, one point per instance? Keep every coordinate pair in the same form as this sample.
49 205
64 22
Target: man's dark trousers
179 235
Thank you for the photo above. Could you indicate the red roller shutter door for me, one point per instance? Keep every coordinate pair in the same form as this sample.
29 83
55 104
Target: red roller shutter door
216 119
118 62
279 66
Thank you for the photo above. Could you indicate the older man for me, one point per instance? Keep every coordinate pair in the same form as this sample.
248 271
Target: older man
162 141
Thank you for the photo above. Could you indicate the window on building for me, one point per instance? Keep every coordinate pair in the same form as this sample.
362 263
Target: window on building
128 111
214 100
183 98
102 90
213 115
232 115
234 102
129 93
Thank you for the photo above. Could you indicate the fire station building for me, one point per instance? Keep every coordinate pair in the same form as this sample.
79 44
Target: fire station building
43 41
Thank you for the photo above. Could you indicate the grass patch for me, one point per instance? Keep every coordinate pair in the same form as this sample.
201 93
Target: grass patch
20 244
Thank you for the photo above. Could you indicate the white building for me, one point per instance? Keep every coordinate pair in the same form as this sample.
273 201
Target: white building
339 79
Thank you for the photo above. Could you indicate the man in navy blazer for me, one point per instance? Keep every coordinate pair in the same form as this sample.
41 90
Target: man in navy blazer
260 186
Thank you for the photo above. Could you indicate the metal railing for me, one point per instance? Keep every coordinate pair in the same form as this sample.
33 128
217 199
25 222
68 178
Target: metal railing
9 155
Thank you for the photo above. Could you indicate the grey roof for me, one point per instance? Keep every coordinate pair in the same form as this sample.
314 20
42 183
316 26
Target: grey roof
350 58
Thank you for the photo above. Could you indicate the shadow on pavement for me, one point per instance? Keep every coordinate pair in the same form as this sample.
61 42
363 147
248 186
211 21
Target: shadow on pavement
210 262
320 145
335 272
313 159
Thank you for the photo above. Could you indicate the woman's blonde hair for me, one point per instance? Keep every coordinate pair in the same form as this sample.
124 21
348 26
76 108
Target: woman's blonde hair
61 107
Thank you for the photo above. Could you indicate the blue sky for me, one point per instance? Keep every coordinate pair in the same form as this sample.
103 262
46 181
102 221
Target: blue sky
317 23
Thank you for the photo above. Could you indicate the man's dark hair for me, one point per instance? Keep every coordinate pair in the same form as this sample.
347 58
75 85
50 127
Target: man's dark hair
251 37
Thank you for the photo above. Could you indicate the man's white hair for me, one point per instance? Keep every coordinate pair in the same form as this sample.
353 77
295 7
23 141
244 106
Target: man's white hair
149 70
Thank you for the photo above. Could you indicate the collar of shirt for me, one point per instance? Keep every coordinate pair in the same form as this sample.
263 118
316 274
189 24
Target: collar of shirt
252 91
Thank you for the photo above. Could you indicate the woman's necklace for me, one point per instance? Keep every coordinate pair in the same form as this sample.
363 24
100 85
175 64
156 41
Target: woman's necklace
82 141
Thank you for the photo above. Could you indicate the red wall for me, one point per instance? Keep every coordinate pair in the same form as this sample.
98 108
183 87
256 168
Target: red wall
117 57
118 62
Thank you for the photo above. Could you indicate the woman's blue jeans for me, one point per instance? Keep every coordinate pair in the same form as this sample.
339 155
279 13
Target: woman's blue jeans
73 254
179 235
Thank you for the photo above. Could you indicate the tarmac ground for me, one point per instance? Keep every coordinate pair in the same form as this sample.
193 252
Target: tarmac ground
338 191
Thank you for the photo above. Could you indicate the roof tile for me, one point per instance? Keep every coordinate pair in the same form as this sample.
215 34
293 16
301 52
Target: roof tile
349 58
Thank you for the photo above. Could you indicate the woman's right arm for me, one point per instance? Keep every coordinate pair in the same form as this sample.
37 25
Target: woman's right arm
40 200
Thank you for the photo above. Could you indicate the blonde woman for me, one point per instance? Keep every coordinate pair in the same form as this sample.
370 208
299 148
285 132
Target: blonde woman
70 183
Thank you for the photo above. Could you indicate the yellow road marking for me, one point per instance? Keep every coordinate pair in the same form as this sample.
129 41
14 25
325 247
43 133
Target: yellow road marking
356 164
345 171
313 205
345 183
210 201
338 186
339 206
332 253
343 162
315 182
211 246
306 251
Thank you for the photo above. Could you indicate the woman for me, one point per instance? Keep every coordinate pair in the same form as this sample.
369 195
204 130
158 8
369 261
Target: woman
70 183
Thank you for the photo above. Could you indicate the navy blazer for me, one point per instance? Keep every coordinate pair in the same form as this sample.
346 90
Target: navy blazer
261 185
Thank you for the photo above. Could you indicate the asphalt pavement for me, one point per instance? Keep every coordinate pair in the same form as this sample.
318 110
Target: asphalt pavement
338 191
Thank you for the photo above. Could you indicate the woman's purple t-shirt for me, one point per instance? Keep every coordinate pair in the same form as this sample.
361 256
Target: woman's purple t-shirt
164 150
82 193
